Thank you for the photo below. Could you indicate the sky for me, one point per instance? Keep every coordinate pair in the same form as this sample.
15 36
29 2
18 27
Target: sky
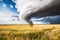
8 12
9 15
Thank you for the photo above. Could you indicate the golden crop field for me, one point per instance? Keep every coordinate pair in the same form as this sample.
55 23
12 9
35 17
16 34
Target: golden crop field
26 32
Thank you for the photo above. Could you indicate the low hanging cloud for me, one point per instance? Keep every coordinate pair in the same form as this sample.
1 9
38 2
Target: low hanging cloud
7 17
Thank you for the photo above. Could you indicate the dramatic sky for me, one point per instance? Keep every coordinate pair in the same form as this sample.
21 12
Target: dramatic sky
9 15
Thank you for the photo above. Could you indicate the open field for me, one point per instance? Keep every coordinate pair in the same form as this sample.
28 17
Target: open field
25 32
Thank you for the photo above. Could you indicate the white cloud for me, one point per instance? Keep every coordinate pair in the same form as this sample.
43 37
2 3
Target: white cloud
11 6
8 17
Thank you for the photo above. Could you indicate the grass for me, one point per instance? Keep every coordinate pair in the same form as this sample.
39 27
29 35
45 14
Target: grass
25 32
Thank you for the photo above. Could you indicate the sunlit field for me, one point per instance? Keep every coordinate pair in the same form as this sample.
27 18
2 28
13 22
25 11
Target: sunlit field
26 32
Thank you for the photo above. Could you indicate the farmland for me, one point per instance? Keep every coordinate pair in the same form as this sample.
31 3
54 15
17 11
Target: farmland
25 32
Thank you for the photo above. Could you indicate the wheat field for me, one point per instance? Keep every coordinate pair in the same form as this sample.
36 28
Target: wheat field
26 32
